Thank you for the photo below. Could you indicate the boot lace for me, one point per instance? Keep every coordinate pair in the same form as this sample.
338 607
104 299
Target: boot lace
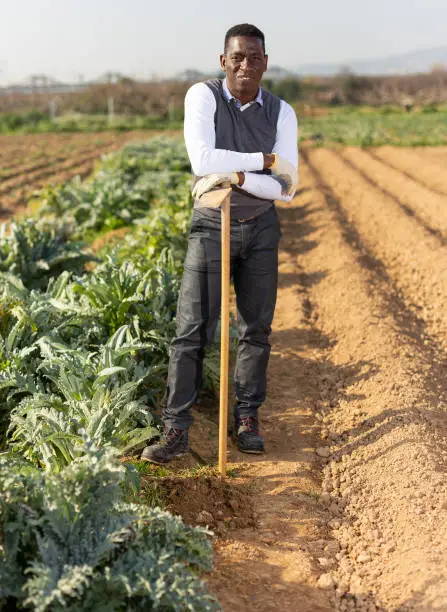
250 423
171 434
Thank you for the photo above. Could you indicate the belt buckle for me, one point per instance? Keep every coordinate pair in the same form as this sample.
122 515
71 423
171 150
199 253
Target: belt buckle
248 219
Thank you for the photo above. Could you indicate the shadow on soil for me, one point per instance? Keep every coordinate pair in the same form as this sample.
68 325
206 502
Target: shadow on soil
262 588
282 487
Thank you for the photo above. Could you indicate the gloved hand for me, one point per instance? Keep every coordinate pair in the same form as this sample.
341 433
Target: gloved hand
209 182
286 171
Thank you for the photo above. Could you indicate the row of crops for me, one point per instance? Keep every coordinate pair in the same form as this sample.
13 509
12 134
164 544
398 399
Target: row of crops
349 125
38 122
84 340
367 127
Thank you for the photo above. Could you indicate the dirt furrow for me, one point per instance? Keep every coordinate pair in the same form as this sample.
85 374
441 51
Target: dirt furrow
429 208
15 202
414 166
56 157
31 144
45 163
33 177
413 259
275 566
435 154
14 198
12 156
382 407
348 354
25 140
17 166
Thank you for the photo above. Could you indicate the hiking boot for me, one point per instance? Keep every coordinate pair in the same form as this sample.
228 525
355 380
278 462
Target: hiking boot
248 438
174 444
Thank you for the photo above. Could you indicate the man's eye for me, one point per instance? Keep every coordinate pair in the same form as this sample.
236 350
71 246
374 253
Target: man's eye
237 58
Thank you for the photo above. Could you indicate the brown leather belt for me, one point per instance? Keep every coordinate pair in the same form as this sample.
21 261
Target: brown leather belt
248 219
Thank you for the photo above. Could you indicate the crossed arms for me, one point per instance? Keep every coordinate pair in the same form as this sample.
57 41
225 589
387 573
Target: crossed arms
200 140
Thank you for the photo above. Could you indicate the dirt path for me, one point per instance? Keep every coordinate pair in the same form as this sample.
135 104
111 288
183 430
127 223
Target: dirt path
351 494
276 566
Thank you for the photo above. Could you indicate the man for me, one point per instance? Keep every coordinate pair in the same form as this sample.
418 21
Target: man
239 133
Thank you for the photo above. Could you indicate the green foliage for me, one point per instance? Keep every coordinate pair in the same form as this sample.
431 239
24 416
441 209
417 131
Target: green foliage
83 359
91 351
34 121
102 394
115 294
375 127
289 89
55 384
354 87
71 542
123 188
14 122
359 128
36 254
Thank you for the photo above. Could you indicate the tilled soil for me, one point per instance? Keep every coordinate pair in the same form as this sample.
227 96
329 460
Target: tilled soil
414 197
347 508
416 166
435 154
30 162
351 495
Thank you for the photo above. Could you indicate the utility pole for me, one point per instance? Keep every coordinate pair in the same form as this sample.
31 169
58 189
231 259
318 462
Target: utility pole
111 109
52 109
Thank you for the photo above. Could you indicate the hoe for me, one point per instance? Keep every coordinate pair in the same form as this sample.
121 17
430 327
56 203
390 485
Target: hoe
220 198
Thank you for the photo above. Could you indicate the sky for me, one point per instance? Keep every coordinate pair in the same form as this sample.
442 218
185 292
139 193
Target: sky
148 38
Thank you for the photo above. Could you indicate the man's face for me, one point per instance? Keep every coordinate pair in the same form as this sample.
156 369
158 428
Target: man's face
244 64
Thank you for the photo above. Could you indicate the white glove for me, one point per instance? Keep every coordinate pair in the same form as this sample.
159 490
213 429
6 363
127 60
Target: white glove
286 171
209 182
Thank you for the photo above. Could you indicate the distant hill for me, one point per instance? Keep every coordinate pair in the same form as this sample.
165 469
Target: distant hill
403 63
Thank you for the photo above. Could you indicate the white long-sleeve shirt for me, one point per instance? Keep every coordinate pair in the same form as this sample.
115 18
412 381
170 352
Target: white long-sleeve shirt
200 139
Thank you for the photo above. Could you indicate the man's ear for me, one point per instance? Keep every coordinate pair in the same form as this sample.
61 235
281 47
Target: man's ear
223 61
266 60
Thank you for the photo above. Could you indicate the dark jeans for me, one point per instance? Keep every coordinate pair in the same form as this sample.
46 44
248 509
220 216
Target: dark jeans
254 270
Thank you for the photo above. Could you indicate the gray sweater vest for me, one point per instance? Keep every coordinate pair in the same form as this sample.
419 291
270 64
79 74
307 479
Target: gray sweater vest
250 131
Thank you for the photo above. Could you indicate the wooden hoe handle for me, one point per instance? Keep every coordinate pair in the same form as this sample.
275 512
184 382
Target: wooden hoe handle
215 199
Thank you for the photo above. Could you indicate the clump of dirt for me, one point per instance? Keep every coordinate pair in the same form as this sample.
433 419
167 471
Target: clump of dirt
208 500
111 237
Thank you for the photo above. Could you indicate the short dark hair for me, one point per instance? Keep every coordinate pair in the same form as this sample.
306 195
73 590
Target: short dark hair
244 29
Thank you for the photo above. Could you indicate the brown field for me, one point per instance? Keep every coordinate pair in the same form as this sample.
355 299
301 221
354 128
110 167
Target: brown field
347 508
33 161
351 496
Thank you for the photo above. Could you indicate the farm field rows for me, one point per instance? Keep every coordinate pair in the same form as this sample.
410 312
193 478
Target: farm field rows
352 494
382 300
33 161
346 510
81 368
436 154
